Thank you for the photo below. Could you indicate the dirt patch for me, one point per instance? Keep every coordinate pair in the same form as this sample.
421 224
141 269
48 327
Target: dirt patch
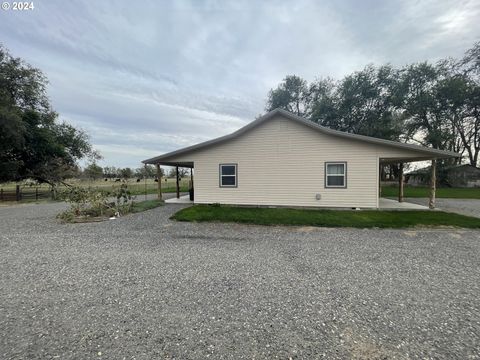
307 229
361 347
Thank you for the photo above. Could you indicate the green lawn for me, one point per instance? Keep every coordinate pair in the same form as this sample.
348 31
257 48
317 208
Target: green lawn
455 193
328 218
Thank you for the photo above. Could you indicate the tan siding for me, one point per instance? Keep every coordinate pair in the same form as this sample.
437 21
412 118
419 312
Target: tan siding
281 162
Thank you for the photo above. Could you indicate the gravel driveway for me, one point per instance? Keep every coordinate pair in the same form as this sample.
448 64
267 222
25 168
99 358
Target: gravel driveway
144 287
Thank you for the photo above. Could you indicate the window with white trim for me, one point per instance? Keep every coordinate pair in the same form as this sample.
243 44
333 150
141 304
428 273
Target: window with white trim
228 175
336 174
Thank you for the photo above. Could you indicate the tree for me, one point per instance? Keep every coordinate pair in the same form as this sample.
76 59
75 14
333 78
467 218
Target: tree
324 102
418 93
292 95
111 172
182 172
434 105
33 144
93 171
442 103
361 103
469 66
148 171
126 173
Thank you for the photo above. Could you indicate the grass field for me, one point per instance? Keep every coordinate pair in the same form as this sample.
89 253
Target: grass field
416 192
325 218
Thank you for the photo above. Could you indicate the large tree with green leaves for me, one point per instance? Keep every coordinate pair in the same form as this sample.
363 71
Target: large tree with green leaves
468 126
93 171
364 104
33 143
292 95
147 171
432 104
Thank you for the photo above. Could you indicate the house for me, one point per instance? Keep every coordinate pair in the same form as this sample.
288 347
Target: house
455 176
281 159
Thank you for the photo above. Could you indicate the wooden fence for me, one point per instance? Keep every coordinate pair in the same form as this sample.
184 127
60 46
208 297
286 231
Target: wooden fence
25 194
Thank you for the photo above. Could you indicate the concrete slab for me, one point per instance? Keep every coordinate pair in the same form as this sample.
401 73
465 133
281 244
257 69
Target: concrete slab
185 199
389 204
468 207
385 204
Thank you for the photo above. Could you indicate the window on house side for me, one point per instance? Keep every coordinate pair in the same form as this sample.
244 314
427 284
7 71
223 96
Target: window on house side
228 175
335 174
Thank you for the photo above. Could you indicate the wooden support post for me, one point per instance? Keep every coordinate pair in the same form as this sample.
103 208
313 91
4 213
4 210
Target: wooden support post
159 183
190 188
433 184
178 185
380 173
18 195
400 183
145 181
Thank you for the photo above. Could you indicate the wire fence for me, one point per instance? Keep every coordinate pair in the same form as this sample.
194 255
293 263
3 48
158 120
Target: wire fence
39 192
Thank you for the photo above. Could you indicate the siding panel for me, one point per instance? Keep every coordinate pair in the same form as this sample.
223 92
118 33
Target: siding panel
281 162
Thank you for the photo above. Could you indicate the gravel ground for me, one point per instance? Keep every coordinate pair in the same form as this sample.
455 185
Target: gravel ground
143 287
469 207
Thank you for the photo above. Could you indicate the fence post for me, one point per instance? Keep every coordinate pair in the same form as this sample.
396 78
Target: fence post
18 196
36 194
1 194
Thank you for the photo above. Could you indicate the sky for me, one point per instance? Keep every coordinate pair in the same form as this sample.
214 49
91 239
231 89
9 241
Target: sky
147 77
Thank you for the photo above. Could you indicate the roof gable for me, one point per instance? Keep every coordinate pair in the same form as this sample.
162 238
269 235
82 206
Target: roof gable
311 124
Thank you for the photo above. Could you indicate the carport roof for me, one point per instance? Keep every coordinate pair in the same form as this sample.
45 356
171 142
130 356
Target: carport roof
167 158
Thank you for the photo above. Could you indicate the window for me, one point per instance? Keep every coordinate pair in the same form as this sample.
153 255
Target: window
228 175
336 174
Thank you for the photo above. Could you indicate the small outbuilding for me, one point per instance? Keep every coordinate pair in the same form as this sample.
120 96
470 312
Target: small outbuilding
281 159
466 176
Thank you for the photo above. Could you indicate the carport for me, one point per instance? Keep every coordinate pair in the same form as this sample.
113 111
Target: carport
176 165
401 181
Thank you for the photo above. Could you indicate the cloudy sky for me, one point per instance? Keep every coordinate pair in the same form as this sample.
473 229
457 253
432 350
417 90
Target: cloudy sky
147 77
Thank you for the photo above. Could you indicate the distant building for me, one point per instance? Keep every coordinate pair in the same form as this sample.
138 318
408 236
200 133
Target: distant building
455 176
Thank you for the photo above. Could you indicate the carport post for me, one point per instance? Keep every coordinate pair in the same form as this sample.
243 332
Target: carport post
178 186
433 184
400 183
380 174
159 178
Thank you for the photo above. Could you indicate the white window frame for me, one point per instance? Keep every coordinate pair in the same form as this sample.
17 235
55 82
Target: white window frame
344 163
221 176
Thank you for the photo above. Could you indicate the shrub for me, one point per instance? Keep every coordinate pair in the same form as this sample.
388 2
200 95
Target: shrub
124 199
90 202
